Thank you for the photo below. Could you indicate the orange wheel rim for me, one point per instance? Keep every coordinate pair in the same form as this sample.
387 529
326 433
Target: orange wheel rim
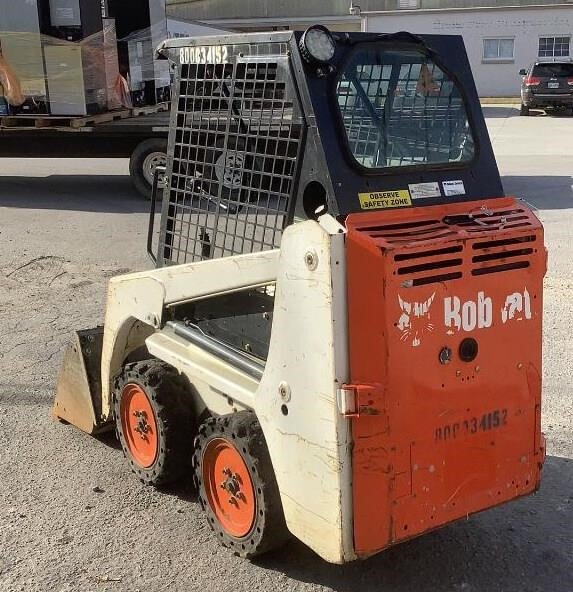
229 487
138 425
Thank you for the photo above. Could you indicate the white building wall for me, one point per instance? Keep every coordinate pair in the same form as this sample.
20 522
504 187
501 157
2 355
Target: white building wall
524 25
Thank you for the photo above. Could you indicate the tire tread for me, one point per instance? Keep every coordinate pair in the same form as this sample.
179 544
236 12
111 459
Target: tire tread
170 400
269 530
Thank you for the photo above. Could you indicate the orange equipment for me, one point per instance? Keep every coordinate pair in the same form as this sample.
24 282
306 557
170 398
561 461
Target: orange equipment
449 415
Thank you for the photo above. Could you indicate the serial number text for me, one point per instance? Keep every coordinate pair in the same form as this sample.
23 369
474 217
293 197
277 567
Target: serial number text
473 425
218 54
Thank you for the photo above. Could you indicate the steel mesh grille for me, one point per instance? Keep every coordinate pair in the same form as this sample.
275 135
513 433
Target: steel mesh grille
406 111
237 137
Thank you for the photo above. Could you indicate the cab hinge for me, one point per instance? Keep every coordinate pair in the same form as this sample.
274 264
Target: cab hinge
354 400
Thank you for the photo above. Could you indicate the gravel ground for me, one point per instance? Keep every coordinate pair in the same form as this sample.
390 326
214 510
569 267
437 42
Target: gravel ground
65 228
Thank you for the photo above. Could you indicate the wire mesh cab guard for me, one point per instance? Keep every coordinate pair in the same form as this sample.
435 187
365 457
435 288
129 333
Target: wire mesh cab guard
236 136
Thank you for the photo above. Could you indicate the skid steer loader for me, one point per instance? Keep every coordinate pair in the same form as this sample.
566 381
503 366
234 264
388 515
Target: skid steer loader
341 340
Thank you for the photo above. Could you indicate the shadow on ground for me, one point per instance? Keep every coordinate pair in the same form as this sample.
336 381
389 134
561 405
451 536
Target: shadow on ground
504 111
88 193
108 438
545 192
523 546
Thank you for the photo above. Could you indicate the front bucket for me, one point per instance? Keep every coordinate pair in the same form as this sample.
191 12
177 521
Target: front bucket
78 393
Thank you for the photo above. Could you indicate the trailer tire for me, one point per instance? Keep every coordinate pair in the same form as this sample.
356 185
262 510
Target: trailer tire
155 422
146 156
242 504
524 111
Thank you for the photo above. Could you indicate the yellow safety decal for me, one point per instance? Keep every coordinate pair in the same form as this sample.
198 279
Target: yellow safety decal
385 199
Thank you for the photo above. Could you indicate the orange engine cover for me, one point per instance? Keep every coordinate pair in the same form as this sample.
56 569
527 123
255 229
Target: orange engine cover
445 311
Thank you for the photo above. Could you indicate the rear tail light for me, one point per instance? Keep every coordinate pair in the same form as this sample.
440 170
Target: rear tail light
532 81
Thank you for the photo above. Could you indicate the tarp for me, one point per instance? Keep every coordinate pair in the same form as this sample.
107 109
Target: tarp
40 73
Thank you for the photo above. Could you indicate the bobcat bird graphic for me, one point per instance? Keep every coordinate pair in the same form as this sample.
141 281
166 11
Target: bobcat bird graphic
414 322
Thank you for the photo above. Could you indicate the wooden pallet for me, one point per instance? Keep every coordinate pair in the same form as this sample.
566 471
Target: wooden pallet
52 121
159 108
41 121
22 121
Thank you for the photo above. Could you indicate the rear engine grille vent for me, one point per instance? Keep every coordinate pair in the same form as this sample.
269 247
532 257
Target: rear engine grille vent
408 231
421 230
458 245
502 255
515 218
418 255
431 266
440 264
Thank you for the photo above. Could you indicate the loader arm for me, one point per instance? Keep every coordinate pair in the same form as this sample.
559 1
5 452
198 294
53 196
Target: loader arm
136 302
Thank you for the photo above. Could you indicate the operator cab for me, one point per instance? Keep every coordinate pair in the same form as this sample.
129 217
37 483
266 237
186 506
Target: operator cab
269 127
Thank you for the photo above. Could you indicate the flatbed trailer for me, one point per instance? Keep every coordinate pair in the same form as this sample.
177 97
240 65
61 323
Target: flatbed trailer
138 134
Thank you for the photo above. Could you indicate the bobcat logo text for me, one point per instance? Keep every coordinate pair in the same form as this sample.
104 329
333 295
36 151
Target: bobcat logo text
415 318
479 313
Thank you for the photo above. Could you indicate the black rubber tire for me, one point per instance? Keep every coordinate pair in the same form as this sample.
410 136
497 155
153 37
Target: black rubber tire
138 156
524 110
170 400
243 431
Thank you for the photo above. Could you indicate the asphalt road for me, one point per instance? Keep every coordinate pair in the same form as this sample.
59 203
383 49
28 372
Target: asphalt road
65 228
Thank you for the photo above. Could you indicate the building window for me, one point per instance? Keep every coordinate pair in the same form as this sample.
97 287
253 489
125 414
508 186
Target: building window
408 4
554 47
498 49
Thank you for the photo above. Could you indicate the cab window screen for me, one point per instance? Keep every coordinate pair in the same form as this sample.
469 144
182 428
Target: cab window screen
399 108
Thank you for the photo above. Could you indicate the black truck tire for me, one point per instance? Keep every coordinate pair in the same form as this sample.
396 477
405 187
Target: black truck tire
146 156
524 110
